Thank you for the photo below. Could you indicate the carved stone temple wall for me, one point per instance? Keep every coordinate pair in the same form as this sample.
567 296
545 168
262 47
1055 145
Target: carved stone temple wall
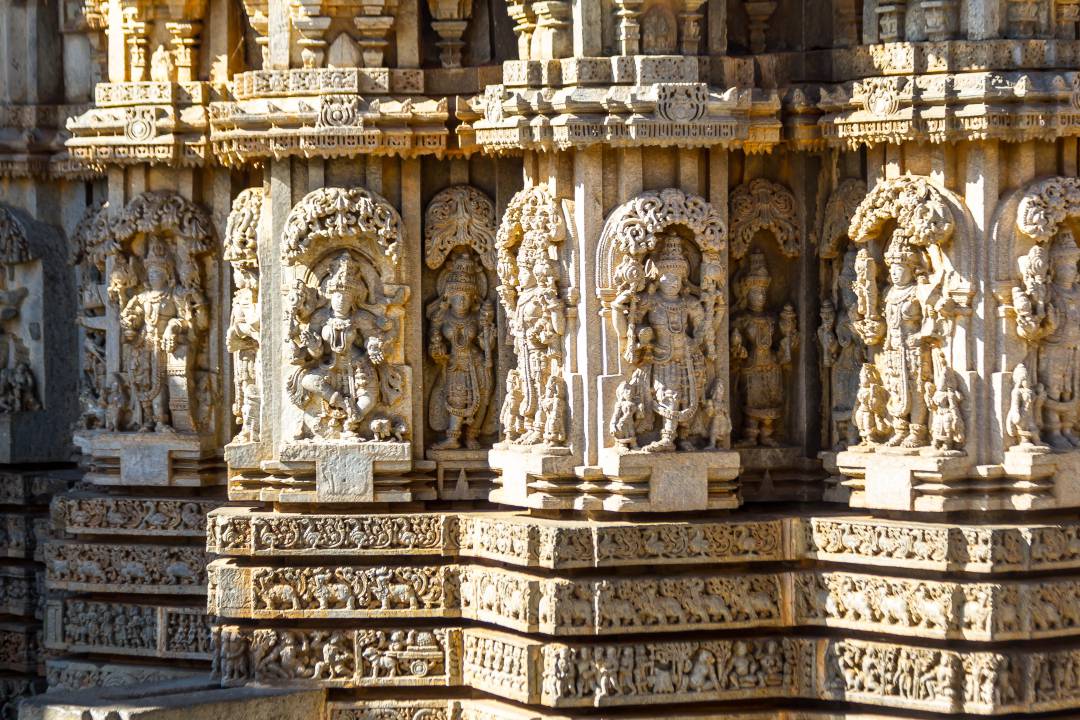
540 359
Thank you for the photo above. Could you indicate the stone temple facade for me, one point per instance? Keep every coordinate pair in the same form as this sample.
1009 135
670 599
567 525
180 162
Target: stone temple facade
539 359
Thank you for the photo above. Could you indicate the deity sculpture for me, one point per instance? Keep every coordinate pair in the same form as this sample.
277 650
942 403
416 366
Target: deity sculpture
665 333
338 340
537 325
870 418
945 401
242 340
757 365
1048 317
462 344
842 351
1025 409
906 335
242 336
161 326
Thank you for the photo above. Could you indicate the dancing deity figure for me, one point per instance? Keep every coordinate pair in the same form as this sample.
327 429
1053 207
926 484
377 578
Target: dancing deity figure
758 366
242 340
668 340
462 346
340 350
1058 338
537 325
162 324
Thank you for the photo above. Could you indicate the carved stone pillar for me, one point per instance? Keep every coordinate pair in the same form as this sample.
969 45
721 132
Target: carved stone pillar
185 44
758 13
135 35
450 18
629 29
312 25
375 22
524 17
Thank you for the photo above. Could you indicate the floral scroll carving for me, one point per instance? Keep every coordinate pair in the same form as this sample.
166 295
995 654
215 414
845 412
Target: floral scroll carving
907 323
459 241
344 317
532 294
242 337
155 255
91 248
661 262
762 204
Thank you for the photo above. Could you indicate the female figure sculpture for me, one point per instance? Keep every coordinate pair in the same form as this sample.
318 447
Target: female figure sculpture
462 345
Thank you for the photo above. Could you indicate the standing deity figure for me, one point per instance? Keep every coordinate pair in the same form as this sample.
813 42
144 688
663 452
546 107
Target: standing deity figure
666 332
339 352
537 325
1058 343
1025 408
462 345
906 364
161 324
757 364
242 340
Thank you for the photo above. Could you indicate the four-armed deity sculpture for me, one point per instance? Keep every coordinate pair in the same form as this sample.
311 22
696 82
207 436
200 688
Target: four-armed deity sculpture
762 347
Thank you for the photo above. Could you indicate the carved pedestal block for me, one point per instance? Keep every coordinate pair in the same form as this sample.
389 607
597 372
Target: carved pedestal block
674 482
905 480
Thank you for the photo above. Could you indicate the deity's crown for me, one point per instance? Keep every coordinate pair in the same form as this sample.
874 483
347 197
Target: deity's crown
157 256
1064 246
671 258
461 275
342 276
901 254
757 274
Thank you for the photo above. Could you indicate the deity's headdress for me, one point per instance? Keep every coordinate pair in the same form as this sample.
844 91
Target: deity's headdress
157 256
460 275
342 277
671 258
757 272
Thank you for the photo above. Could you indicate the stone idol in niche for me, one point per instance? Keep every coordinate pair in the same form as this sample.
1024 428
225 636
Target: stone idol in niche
909 398
763 344
667 328
161 381
1045 405
462 336
339 333
532 294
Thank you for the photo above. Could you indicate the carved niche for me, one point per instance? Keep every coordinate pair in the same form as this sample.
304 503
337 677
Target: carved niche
909 396
764 338
462 339
154 258
842 350
242 336
662 280
1044 406
19 378
531 290
346 375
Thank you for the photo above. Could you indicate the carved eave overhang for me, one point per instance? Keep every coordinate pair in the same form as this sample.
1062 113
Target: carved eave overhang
659 114
143 122
1006 106
32 142
328 113
800 119
954 56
